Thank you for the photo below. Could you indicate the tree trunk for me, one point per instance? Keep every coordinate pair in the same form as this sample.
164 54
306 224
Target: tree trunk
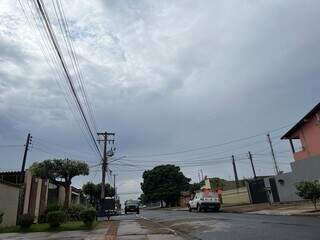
314 203
67 196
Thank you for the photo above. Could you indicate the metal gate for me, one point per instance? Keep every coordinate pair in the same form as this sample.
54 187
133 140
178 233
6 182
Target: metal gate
257 191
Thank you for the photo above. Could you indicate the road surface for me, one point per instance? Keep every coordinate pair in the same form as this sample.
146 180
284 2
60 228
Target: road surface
179 225
225 226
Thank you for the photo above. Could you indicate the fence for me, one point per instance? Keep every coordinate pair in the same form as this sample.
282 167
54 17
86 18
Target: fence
235 197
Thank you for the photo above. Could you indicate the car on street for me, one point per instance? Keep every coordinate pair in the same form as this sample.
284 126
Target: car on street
205 201
131 206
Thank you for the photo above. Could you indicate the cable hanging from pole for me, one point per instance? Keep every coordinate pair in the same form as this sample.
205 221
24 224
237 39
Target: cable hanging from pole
66 71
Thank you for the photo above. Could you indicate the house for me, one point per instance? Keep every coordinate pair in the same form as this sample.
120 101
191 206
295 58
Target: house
304 140
36 194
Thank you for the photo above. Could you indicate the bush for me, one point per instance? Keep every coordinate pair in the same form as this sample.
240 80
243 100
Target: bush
309 190
53 208
1 216
88 216
74 212
56 218
26 220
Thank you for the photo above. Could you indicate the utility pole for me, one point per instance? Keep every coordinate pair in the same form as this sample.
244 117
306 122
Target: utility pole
28 142
253 170
114 186
235 172
201 174
22 176
106 154
273 155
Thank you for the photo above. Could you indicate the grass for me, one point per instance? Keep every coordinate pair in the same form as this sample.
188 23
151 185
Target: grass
44 227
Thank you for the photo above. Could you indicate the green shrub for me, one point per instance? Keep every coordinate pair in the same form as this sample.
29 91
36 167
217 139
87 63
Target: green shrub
56 218
54 207
88 216
1 216
74 212
309 190
26 220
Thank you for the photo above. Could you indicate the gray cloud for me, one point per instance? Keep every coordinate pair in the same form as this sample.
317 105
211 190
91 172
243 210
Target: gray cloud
167 76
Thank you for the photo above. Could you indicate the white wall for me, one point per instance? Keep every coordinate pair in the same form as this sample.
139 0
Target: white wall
9 200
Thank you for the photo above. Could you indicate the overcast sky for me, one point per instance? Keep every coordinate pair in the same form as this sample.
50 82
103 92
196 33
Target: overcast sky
165 76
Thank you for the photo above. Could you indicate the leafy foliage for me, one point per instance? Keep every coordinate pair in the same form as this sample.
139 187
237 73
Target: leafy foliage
164 183
74 211
94 192
54 207
309 190
57 169
26 220
88 216
194 187
56 218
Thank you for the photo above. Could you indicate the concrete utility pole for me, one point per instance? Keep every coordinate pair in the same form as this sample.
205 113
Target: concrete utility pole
28 142
253 170
235 172
106 154
273 155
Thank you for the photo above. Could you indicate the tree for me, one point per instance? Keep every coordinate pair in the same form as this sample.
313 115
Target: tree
309 190
90 190
94 191
164 183
60 172
194 187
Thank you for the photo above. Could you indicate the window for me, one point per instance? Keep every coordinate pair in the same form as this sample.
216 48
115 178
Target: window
297 145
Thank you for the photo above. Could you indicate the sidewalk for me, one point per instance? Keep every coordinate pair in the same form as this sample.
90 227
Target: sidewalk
297 208
107 231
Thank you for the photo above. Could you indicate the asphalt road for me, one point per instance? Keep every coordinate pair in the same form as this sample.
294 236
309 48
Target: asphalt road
225 226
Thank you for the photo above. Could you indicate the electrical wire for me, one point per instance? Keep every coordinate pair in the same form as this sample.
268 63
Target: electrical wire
41 10
209 146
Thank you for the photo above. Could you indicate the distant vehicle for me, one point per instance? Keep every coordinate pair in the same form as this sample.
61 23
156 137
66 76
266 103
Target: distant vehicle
205 201
131 206
109 207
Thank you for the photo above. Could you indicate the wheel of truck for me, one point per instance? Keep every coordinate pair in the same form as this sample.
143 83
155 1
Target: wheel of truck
199 208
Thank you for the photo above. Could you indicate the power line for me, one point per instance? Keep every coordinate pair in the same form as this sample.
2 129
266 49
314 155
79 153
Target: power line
210 146
65 69
46 53
51 57
9 146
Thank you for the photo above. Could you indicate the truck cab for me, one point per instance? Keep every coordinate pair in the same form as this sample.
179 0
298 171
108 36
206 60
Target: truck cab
205 201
